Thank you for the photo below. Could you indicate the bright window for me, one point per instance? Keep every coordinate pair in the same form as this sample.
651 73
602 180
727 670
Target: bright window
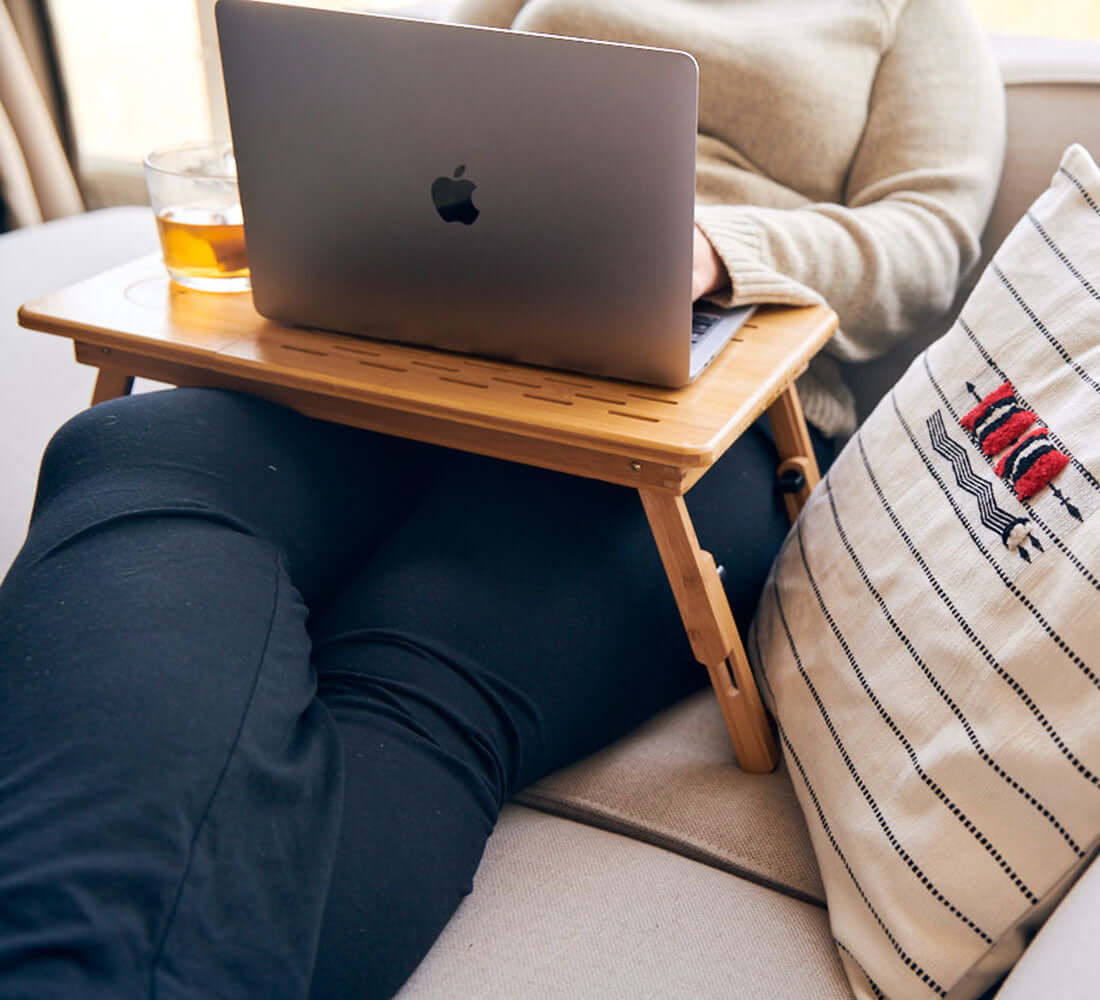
134 74
1055 18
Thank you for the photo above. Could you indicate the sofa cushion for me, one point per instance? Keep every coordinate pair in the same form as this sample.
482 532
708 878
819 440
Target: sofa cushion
929 638
675 783
563 910
43 385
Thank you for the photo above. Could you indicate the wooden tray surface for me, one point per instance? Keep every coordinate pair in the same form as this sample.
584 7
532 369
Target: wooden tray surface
134 311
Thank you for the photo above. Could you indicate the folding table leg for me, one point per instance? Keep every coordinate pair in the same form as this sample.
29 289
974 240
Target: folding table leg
110 384
797 472
711 629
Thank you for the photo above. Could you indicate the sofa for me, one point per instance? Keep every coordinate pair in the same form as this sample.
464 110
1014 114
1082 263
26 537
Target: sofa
656 868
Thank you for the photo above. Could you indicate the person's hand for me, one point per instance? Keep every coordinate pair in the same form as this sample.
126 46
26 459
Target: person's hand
708 273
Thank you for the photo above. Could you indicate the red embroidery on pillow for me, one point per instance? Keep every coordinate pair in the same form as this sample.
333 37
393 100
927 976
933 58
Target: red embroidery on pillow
998 419
1004 391
1031 464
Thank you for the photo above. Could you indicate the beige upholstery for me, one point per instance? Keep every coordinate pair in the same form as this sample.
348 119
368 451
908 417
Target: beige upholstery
563 911
675 783
43 385
35 180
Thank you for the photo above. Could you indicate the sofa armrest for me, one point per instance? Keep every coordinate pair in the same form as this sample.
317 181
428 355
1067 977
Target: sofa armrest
1026 59
1052 97
43 385
1063 962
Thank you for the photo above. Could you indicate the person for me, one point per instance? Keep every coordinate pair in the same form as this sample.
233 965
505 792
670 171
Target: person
268 681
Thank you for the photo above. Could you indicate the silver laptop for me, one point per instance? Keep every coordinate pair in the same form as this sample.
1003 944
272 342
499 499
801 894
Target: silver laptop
513 195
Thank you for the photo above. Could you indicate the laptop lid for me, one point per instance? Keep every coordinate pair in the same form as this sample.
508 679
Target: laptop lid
515 195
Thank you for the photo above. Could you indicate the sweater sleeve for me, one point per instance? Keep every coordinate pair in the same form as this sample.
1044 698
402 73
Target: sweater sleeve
919 190
487 13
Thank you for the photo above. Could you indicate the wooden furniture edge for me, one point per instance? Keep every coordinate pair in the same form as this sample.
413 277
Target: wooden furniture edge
696 456
625 469
158 356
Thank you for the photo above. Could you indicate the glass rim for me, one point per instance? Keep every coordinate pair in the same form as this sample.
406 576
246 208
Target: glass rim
183 147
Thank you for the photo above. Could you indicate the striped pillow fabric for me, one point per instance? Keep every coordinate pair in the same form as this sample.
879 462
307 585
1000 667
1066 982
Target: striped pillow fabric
929 639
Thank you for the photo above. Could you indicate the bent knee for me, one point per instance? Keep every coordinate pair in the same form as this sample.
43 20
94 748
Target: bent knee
171 429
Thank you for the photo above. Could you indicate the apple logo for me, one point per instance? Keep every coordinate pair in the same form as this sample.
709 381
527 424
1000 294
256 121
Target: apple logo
453 198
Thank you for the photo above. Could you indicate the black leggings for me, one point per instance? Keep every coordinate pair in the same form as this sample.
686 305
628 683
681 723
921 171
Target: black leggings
267 681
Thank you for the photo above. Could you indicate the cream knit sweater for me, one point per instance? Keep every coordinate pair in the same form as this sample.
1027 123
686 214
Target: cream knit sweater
848 151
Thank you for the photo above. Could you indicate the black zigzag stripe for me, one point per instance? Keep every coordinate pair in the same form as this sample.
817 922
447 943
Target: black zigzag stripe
971 735
856 777
792 754
910 750
1032 513
1081 187
1042 328
870 982
1060 254
993 517
1090 478
1011 681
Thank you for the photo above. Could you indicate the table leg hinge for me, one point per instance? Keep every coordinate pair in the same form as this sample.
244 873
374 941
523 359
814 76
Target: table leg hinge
791 480
796 478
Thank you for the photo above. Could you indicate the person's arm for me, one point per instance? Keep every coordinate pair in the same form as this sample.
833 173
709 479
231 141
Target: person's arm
487 13
918 194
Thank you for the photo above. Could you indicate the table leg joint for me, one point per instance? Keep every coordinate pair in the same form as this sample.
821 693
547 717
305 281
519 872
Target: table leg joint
708 621
111 383
797 472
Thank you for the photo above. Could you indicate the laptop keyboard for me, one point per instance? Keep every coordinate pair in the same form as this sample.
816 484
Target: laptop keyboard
701 322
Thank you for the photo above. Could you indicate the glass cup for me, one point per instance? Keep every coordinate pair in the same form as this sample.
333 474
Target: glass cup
193 191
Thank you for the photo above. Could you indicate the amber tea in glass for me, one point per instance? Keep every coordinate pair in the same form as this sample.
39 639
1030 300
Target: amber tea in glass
203 243
193 190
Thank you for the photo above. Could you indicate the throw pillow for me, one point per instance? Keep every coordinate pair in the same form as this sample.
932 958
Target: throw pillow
929 639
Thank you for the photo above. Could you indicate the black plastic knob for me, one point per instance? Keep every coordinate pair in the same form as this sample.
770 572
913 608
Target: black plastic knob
791 480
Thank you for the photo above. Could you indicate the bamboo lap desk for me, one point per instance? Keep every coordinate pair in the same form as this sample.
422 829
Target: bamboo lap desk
131 321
